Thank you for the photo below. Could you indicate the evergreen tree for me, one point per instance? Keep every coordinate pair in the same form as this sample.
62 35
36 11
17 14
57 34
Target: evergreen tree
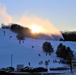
64 52
47 47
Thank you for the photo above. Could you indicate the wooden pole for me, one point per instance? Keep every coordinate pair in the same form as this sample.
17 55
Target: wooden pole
11 60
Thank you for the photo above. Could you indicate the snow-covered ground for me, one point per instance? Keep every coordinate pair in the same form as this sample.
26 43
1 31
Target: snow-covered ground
24 53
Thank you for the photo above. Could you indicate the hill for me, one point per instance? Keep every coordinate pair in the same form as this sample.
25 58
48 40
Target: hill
23 53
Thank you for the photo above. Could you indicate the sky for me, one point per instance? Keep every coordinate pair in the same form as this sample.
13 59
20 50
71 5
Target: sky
60 14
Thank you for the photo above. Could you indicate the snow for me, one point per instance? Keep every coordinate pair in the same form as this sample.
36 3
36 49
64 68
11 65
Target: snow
24 53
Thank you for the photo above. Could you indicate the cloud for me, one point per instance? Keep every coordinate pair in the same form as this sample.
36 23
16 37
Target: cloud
4 16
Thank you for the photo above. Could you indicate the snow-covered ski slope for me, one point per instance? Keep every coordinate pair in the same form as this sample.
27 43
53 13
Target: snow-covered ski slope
24 53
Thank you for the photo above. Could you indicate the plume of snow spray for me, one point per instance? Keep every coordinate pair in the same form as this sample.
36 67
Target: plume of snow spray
4 16
46 26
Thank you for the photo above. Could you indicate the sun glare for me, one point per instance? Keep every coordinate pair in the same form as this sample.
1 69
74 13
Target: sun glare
35 28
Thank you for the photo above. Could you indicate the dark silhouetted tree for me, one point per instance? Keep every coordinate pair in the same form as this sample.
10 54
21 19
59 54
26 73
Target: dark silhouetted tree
64 52
20 37
47 47
21 31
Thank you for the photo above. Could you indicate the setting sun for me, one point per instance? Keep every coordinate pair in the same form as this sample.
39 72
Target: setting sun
35 28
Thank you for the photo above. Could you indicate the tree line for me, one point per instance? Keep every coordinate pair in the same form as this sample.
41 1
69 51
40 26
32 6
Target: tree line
69 35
